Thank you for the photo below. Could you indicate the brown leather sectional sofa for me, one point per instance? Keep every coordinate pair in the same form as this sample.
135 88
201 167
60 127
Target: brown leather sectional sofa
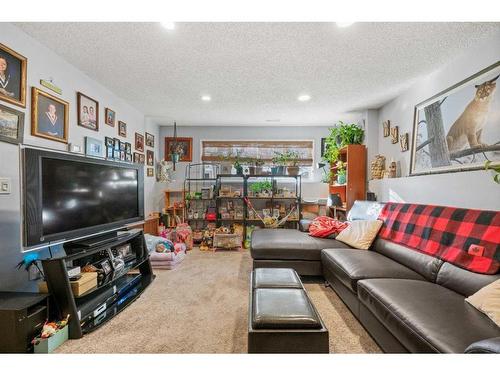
408 301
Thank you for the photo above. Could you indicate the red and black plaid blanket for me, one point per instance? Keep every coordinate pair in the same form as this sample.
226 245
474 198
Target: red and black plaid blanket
467 238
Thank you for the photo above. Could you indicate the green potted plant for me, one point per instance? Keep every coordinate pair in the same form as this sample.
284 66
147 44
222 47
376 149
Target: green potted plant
237 162
292 161
341 173
279 162
258 166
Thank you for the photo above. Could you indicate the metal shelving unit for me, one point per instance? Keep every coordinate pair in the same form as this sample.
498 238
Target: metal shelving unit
199 176
243 182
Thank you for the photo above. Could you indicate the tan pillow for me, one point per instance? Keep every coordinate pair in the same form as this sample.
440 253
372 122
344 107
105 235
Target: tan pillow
360 233
487 300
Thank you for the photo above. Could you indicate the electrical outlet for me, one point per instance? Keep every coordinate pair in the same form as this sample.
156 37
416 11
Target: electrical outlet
5 185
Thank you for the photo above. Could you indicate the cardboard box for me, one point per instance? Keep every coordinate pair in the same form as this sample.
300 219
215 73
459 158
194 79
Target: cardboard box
84 284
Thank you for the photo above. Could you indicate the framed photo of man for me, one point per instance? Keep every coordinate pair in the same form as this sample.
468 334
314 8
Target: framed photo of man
88 112
49 116
11 125
12 76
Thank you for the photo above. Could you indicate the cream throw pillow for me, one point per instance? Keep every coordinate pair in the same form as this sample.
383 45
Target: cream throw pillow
360 233
487 300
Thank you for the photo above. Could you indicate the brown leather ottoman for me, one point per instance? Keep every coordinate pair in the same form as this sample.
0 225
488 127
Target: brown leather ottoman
282 318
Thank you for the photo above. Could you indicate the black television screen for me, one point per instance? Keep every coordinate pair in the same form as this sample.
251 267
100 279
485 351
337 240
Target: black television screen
68 196
76 195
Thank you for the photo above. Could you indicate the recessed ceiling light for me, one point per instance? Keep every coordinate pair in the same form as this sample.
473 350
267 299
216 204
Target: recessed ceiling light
168 25
206 98
344 24
304 98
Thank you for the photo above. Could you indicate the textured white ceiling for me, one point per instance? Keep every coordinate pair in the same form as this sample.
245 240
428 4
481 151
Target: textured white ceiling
255 71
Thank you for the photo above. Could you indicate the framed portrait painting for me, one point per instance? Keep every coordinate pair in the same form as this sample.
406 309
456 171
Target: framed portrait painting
49 116
12 76
88 112
110 117
183 146
11 125
139 142
150 158
150 172
457 129
122 129
150 140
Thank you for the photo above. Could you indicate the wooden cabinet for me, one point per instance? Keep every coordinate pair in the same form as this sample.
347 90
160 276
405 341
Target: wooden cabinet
354 158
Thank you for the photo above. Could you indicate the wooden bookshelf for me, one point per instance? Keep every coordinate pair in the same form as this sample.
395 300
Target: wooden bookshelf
354 158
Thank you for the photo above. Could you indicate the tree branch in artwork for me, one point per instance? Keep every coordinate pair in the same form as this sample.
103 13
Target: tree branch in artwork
475 150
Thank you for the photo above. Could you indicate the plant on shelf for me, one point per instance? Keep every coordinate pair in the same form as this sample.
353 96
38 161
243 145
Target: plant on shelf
279 162
495 169
292 162
260 187
341 135
341 173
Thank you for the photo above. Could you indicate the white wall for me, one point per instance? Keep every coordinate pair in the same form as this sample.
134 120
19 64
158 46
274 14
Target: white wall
43 64
311 189
473 189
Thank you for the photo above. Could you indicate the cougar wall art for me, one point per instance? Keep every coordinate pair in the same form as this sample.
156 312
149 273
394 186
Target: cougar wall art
459 128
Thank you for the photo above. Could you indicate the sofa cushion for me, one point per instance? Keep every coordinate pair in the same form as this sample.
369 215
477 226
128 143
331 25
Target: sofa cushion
360 233
350 266
462 281
424 264
425 317
276 278
487 300
283 309
289 244
365 210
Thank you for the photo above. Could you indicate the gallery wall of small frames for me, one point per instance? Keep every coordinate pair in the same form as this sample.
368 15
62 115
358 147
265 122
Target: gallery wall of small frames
393 132
50 116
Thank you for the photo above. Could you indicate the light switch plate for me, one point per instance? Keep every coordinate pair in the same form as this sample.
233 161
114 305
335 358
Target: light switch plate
5 185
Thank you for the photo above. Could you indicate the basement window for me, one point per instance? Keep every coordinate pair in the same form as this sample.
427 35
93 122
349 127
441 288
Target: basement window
225 152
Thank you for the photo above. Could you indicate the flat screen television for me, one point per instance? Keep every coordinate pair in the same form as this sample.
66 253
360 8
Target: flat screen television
70 196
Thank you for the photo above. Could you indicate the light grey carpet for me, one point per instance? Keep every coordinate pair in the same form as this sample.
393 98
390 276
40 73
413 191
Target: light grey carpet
201 307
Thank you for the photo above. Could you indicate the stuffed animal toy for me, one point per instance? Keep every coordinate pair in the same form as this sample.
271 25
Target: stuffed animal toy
164 246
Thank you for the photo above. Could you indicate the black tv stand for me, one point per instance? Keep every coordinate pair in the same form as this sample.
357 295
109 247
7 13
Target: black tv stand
95 240
114 292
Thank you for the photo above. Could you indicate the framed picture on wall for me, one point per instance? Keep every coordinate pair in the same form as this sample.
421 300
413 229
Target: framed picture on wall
139 142
122 129
11 125
183 146
458 129
110 117
93 147
150 158
49 116
88 112
12 76
150 140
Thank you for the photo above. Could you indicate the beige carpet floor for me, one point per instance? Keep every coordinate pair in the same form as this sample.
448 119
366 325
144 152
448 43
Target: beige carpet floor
201 307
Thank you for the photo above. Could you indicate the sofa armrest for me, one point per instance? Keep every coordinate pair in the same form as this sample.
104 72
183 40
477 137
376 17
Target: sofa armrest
485 346
304 225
